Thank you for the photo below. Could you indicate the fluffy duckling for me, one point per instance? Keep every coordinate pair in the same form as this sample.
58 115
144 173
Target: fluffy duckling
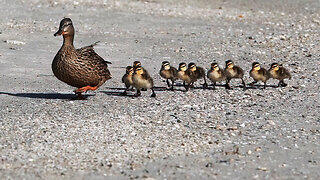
136 64
185 75
127 78
233 72
141 79
276 71
168 72
259 73
82 68
198 73
216 74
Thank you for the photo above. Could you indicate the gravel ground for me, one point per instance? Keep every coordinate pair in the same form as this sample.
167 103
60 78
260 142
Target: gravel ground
201 134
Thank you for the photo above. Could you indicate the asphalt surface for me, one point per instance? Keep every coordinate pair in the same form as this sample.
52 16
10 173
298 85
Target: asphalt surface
200 134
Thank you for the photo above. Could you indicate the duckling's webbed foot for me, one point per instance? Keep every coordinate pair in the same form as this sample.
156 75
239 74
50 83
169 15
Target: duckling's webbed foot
205 85
187 87
138 93
153 93
124 93
214 86
252 84
227 84
282 84
264 85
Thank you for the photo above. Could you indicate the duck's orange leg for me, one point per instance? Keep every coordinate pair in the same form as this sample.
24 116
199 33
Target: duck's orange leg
85 89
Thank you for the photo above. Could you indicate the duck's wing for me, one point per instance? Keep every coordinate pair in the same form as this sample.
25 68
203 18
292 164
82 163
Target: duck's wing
89 53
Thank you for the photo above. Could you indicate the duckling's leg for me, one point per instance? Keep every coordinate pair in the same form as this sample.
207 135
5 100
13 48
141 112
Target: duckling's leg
191 85
125 91
264 85
85 89
227 84
138 93
187 87
214 85
205 85
168 83
153 93
172 82
243 83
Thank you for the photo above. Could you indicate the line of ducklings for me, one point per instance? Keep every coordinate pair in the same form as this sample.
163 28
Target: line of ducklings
138 77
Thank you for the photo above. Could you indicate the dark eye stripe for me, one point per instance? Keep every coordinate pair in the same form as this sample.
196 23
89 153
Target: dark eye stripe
67 24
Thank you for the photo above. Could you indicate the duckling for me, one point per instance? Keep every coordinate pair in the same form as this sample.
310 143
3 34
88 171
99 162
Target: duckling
185 75
136 64
216 74
127 78
168 72
276 71
141 79
198 73
259 73
82 68
233 72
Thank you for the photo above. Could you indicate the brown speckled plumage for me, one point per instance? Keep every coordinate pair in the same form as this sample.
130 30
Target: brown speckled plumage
78 67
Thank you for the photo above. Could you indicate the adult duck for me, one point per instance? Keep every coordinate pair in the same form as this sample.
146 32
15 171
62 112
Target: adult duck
82 68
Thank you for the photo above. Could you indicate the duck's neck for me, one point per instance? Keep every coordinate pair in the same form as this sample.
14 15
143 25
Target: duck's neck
68 40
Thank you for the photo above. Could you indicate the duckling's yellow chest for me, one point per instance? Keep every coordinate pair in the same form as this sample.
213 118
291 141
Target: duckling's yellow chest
127 79
258 75
274 74
215 76
140 82
183 76
231 72
166 74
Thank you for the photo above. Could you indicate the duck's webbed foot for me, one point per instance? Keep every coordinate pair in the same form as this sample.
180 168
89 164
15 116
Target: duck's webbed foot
85 89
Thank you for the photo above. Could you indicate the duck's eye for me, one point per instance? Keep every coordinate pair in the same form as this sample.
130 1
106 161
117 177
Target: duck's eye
67 24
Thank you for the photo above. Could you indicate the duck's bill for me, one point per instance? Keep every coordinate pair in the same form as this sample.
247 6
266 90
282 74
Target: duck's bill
58 33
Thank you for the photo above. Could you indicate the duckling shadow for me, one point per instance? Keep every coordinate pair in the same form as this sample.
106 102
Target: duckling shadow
44 95
117 93
130 93
259 86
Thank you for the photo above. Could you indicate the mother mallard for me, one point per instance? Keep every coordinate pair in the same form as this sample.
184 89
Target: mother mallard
82 68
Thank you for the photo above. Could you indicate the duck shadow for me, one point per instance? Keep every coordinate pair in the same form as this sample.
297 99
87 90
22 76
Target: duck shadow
44 95
111 91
